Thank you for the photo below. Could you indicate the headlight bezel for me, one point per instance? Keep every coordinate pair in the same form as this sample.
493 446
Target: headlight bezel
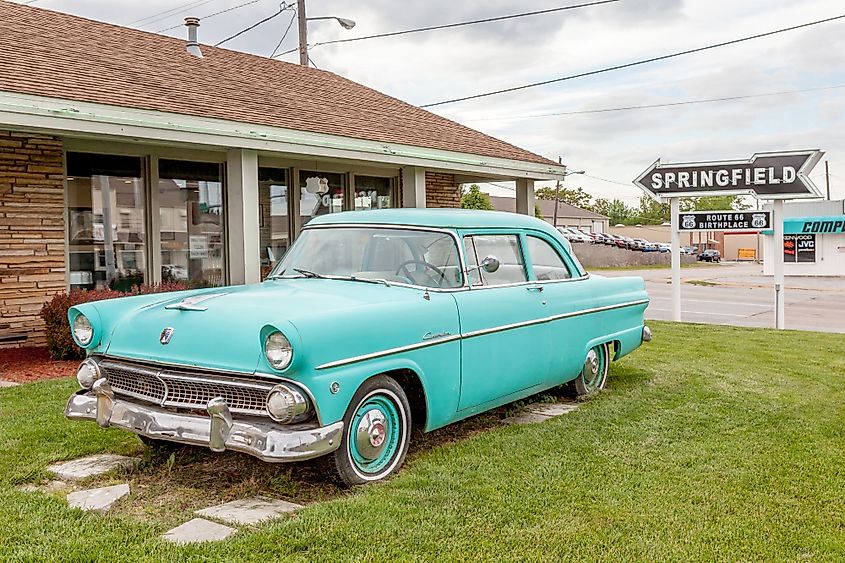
74 329
295 404
94 370
281 347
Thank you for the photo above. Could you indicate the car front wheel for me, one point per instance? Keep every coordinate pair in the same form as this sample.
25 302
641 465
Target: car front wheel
376 433
593 376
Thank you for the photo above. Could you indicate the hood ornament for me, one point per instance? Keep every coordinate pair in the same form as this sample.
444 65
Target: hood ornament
166 335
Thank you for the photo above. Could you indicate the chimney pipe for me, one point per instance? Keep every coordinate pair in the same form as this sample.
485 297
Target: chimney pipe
193 47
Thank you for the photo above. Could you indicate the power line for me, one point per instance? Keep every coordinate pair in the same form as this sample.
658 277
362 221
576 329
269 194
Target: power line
285 34
282 8
628 185
632 64
458 24
664 105
211 15
170 12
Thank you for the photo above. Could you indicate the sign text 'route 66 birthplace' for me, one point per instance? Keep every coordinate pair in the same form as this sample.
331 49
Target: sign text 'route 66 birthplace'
767 175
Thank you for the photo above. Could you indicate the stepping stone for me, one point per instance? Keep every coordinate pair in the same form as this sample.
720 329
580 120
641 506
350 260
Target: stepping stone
92 466
198 530
50 487
552 409
98 500
526 418
249 511
4 383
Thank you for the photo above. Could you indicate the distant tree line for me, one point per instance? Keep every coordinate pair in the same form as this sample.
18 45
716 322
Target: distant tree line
646 212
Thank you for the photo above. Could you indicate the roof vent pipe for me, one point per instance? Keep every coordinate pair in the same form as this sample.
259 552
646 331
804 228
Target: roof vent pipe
193 47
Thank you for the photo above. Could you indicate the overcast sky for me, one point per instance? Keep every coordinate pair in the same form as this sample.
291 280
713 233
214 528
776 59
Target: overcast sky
433 66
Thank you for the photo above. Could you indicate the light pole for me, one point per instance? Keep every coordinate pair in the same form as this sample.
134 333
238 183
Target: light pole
303 29
557 187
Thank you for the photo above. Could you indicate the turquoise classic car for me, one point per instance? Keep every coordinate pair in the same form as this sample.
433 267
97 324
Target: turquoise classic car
373 323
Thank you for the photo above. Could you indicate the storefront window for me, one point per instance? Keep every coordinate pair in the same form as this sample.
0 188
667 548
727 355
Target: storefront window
106 222
192 220
373 192
274 226
321 193
799 248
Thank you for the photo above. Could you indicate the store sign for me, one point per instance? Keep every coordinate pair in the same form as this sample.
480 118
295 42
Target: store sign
725 220
746 254
799 248
816 225
198 246
774 175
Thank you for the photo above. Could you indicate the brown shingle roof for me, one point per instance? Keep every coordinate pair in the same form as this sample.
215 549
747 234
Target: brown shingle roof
547 207
48 53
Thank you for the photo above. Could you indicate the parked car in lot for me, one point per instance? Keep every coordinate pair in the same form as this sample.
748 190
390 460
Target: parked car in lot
710 255
689 250
372 322
573 235
664 247
604 238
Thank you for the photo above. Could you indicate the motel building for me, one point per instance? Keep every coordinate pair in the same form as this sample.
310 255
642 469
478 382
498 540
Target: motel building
127 157
813 240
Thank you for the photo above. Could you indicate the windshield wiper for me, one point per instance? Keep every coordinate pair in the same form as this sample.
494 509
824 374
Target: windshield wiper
308 273
366 280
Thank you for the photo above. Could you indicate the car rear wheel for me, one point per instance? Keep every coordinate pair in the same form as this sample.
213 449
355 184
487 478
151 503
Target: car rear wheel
593 376
376 433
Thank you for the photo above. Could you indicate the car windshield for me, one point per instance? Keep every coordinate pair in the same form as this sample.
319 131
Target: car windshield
391 255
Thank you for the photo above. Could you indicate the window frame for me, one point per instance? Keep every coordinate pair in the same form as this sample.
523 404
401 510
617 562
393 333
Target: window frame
464 234
574 273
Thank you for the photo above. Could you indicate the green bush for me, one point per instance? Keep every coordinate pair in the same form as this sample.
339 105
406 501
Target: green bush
59 340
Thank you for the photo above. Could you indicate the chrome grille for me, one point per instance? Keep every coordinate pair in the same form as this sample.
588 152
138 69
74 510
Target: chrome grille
168 388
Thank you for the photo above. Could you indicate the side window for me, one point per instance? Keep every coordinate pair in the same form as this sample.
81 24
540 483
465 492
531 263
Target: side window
548 264
506 249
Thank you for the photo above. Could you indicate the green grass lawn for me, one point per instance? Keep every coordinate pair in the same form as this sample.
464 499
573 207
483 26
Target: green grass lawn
710 443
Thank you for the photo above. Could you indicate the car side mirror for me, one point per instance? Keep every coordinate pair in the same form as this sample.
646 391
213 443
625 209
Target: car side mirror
490 264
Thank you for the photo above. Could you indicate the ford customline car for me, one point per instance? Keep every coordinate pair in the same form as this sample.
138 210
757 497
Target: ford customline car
371 322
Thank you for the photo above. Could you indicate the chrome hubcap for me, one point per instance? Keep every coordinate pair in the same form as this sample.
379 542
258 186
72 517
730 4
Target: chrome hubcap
591 365
371 434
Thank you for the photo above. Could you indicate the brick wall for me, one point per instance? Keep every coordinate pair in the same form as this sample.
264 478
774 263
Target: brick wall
441 190
32 240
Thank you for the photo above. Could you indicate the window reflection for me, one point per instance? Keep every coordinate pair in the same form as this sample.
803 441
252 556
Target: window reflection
106 221
274 226
191 211
373 192
320 193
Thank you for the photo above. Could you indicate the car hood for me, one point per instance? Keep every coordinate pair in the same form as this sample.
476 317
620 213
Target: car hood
221 328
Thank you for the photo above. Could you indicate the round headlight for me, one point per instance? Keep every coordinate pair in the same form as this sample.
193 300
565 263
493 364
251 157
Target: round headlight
287 404
88 373
82 330
277 350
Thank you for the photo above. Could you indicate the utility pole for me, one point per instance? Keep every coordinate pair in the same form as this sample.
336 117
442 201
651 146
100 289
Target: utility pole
303 32
827 177
557 192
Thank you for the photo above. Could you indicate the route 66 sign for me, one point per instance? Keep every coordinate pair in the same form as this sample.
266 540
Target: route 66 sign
759 220
688 222
726 220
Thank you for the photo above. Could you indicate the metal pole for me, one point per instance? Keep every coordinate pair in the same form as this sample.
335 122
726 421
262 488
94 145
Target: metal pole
303 33
827 177
777 243
675 212
557 191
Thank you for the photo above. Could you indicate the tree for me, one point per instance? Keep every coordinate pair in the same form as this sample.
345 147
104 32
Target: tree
615 210
474 198
538 213
714 203
578 197
651 212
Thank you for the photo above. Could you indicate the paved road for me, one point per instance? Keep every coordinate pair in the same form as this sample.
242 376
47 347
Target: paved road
741 295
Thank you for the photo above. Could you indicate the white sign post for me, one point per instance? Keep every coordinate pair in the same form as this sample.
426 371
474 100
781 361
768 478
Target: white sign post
777 176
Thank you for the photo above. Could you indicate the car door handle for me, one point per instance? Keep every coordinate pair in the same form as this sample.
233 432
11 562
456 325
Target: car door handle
538 288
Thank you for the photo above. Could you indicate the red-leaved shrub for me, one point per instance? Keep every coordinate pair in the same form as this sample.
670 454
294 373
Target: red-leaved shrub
59 340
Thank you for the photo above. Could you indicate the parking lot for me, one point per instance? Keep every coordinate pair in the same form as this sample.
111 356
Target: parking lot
739 294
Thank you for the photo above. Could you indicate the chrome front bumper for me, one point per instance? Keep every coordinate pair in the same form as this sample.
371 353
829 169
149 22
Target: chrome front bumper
267 441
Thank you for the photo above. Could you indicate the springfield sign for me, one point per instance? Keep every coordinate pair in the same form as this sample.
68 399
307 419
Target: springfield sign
774 175
725 221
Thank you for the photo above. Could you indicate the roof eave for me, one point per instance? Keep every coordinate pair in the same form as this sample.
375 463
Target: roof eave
74 118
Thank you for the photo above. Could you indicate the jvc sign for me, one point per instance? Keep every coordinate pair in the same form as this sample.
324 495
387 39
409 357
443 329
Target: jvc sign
781 175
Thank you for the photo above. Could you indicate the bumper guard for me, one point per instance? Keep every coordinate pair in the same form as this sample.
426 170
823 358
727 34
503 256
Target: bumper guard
267 441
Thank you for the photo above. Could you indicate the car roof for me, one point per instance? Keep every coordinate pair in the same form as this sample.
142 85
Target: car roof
438 218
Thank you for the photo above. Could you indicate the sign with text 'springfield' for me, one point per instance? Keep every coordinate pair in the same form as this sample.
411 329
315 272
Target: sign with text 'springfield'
774 175
725 221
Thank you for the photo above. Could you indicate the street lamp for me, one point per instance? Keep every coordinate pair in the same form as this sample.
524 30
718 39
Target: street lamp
345 23
557 187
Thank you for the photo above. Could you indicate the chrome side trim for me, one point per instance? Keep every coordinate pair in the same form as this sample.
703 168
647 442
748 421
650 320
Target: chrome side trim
474 333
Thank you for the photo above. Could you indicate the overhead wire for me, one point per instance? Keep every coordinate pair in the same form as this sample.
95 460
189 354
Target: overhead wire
170 12
653 106
283 7
457 24
209 16
631 64
285 34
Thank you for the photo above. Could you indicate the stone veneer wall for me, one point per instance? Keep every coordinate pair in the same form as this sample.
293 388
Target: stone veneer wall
441 190
32 239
